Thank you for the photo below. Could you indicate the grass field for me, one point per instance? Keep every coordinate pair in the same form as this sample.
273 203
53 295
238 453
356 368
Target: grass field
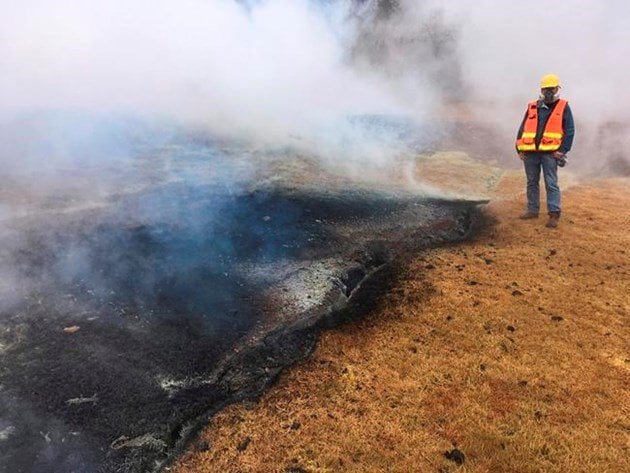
513 348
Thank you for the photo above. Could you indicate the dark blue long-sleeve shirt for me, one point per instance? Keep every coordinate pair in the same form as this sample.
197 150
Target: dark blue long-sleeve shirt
568 126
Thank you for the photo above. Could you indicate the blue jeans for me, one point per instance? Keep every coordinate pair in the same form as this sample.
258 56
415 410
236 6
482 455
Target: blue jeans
533 163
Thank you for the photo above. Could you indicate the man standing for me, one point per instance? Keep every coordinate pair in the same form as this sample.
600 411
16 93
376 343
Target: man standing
542 142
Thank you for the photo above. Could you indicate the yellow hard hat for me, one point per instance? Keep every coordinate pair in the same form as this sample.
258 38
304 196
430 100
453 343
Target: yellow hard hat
549 80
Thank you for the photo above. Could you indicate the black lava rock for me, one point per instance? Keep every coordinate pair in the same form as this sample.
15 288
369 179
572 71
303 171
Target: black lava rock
455 455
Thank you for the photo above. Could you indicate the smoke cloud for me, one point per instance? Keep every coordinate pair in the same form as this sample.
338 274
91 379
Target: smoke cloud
273 72
298 73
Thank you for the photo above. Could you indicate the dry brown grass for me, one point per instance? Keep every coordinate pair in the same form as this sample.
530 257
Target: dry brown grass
467 350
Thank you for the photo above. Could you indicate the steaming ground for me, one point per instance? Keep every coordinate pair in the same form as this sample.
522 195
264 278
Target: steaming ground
141 295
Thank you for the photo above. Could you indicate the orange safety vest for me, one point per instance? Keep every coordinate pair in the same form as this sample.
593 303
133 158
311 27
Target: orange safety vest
552 135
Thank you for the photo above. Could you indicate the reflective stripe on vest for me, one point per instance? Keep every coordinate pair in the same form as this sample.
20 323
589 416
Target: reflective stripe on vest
552 134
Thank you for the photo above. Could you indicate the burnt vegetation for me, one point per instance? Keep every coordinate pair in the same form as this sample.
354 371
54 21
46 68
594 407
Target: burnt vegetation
132 326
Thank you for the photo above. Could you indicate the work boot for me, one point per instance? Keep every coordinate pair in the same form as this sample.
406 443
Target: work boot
528 215
554 218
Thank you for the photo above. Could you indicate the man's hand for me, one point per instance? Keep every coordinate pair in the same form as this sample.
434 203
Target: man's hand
522 156
561 158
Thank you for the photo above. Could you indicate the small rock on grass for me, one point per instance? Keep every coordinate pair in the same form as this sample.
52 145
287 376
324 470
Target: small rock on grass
242 446
455 455
295 469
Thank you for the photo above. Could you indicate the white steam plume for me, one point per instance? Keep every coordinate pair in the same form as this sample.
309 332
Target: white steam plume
273 72
291 72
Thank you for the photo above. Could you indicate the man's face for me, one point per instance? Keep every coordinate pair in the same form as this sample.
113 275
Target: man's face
550 94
